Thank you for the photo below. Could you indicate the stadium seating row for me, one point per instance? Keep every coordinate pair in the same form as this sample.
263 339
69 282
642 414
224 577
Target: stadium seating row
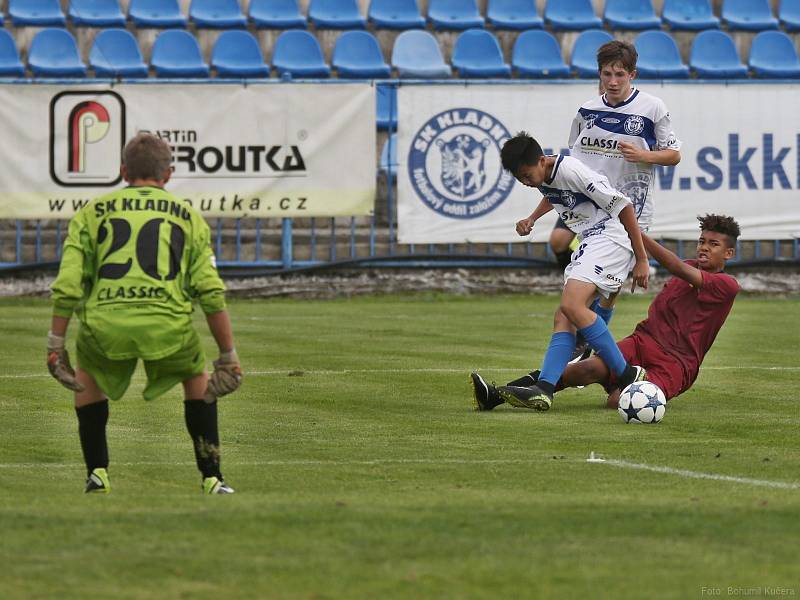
416 54
563 15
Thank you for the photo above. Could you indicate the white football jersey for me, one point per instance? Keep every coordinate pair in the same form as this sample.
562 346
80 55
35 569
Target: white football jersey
641 120
585 201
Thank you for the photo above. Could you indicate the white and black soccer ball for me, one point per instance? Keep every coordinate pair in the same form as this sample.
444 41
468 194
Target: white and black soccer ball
642 402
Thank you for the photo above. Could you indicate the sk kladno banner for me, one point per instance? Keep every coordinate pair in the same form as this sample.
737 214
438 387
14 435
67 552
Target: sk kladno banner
740 156
284 150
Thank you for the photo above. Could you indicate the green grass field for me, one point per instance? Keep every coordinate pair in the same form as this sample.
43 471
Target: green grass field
361 471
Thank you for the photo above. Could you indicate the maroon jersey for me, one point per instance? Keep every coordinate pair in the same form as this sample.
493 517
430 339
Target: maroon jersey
684 321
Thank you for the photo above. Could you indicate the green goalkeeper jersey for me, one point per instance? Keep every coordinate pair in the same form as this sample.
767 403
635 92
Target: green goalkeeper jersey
133 262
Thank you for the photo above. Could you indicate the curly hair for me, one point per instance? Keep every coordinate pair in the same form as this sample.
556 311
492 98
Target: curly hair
721 224
520 150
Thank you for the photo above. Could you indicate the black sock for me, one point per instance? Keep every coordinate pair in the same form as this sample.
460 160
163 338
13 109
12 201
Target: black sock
563 258
201 422
92 420
525 381
547 387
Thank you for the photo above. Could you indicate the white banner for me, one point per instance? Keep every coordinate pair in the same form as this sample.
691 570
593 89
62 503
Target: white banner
740 157
254 151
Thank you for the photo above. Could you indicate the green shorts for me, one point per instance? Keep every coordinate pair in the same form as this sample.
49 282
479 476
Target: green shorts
114 376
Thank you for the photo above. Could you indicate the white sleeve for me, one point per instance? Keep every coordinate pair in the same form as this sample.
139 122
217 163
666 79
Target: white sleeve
599 189
665 137
575 130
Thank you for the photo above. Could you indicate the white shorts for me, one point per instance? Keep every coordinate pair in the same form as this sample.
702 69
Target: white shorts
602 262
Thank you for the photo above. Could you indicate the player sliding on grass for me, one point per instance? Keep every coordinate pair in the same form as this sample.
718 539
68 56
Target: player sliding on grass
611 244
681 324
133 261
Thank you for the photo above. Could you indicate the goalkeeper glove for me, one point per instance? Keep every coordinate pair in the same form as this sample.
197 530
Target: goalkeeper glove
58 363
226 378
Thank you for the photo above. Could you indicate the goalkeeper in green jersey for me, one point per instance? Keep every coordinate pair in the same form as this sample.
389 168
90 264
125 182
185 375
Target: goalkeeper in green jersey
133 263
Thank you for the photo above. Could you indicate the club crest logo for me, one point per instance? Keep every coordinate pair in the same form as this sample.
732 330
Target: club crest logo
87 134
636 187
589 120
454 163
634 125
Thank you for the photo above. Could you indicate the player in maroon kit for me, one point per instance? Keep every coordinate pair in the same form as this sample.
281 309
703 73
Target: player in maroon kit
682 322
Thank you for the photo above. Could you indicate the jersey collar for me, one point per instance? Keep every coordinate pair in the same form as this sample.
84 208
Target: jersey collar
555 169
634 93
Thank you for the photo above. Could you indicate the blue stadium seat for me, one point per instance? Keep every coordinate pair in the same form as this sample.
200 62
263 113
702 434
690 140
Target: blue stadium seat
54 53
176 53
358 55
631 14
477 54
571 15
659 57
773 54
395 14
584 51
514 14
454 14
689 15
748 15
789 14
96 13
237 54
36 13
156 13
416 53
537 54
217 14
714 55
389 158
386 106
297 54
10 65
115 53
336 14
277 14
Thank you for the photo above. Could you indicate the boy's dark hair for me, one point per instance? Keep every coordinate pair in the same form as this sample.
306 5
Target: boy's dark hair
520 150
721 224
146 156
617 51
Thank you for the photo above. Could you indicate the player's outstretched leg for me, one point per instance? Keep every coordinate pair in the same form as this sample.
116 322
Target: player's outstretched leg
485 395
526 397
201 423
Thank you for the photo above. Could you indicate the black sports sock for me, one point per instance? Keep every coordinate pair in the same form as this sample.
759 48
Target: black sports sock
563 258
92 420
547 387
201 422
526 380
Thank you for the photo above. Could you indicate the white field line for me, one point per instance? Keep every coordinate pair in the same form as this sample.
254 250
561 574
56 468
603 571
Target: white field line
429 461
622 464
412 370
297 462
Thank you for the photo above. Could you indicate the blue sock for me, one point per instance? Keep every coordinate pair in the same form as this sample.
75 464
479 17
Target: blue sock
562 344
600 339
603 313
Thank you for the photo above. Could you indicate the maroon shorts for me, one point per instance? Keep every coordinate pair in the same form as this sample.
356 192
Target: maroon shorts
662 369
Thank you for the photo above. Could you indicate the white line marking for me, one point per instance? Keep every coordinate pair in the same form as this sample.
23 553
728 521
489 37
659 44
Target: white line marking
693 474
297 462
311 372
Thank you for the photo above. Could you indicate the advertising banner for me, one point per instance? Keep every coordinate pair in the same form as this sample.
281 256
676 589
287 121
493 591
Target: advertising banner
238 151
740 157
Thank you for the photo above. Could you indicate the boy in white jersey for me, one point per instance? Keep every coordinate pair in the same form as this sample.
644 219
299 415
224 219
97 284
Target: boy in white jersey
605 222
623 134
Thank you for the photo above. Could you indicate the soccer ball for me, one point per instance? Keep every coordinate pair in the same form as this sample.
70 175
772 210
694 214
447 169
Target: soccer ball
642 402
